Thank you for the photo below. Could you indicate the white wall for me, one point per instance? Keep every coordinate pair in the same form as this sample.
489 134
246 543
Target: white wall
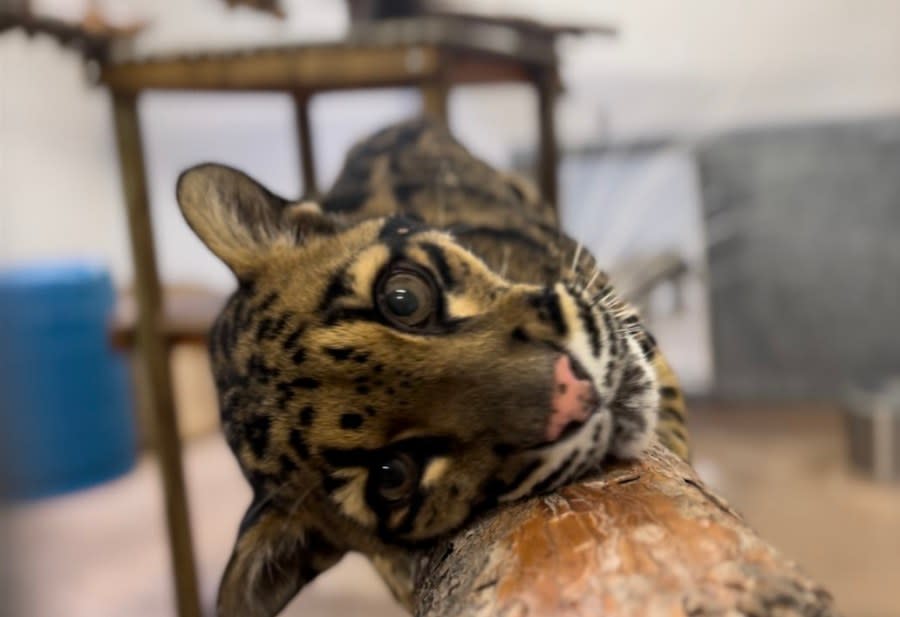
700 65
686 67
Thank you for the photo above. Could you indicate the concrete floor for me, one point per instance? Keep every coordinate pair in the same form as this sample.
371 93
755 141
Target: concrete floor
102 552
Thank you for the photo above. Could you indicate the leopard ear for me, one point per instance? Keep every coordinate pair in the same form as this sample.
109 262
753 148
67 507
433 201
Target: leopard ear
236 217
275 555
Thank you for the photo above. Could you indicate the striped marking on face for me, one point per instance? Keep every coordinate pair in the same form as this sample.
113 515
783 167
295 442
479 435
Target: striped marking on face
579 341
365 268
559 462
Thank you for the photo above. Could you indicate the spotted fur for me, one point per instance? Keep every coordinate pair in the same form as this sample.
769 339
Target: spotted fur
328 402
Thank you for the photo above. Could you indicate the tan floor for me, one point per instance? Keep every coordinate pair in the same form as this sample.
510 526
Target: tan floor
785 471
101 553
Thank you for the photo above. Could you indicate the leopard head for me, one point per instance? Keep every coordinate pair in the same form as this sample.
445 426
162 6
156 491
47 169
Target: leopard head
379 384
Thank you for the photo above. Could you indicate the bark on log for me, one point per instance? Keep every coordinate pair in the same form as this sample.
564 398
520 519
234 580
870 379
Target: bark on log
646 539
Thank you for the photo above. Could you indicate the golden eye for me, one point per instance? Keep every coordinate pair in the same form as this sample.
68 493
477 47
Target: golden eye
396 478
407 298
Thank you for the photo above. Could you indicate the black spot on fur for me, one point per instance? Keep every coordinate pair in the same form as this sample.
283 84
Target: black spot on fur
370 411
291 341
299 444
307 383
286 394
299 356
337 288
256 431
266 303
519 334
287 465
351 420
668 392
362 389
361 358
269 329
339 353
307 415
259 370
668 413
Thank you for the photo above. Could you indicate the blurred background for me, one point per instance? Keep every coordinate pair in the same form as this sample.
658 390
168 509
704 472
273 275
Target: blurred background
735 165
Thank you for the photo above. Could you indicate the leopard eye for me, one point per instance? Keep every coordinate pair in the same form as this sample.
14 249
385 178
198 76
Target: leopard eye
396 478
407 298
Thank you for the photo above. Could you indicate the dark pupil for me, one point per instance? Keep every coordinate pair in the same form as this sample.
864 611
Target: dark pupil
402 302
393 475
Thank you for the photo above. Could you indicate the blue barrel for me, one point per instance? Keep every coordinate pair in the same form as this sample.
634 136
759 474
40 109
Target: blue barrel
66 415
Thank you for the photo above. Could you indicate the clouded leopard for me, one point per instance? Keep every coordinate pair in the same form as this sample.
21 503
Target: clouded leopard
420 345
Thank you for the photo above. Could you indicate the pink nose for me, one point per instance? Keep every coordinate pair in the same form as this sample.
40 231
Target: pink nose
573 398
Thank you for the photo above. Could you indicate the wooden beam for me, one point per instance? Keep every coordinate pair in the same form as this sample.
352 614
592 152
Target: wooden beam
311 68
155 389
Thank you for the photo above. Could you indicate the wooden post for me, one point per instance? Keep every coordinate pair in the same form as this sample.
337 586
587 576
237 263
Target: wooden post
546 85
646 538
304 139
153 352
435 91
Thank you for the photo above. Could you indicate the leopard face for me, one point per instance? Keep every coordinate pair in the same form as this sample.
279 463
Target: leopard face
384 368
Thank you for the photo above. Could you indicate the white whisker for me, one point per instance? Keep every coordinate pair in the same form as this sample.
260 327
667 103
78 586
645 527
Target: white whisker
575 258
593 278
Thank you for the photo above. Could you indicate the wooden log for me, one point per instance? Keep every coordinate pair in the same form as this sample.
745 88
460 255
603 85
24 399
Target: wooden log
646 538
